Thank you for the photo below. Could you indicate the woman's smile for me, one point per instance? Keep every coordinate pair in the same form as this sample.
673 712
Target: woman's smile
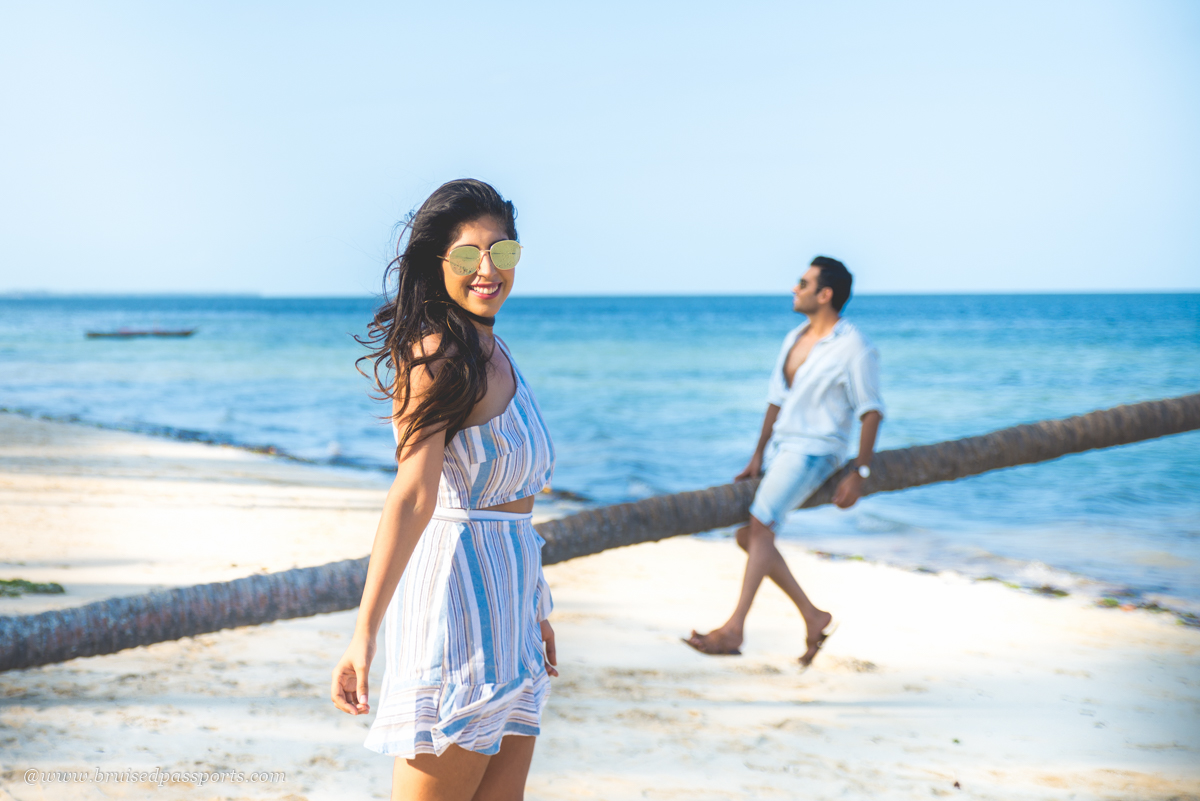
486 290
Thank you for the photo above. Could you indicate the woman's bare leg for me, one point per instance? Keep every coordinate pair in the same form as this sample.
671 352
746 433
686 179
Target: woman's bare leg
504 779
453 776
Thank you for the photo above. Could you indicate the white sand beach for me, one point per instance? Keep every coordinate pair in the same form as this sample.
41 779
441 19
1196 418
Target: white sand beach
931 680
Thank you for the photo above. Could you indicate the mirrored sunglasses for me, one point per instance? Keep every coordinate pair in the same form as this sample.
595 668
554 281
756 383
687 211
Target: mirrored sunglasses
466 259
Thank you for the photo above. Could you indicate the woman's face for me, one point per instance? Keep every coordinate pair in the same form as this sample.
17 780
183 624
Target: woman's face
482 292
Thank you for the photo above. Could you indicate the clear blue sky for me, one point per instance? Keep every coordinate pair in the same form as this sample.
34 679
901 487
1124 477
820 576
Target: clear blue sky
650 147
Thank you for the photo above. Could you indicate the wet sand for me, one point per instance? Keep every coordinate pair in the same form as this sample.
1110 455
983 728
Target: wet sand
930 680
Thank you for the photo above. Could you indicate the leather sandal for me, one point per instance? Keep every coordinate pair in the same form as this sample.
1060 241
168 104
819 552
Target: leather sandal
820 643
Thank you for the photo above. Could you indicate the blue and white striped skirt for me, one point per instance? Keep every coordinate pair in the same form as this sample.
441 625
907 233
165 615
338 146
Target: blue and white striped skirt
464 661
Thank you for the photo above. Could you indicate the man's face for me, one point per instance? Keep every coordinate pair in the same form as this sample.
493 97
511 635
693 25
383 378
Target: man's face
804 294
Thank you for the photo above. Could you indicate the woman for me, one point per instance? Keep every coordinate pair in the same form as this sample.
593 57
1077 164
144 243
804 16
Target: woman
455 572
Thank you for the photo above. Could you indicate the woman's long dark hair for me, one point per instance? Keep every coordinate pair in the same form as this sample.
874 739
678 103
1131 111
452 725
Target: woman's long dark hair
421 306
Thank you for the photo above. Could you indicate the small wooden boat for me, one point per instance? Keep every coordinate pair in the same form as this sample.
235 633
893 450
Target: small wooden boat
129 333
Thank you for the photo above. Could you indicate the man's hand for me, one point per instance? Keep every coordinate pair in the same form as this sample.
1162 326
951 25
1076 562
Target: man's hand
753 470
848 491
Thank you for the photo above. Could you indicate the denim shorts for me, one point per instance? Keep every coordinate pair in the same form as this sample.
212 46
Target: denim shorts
790 478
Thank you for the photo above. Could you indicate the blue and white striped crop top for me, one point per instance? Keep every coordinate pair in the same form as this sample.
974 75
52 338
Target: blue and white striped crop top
508 457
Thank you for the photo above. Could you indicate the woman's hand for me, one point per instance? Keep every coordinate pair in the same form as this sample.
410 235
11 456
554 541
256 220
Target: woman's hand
753 470
349 688
551 655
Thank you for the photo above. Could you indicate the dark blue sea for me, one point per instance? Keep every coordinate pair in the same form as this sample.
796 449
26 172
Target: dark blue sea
652 395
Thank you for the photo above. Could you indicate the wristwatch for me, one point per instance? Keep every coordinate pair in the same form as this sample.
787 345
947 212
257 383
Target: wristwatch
864 471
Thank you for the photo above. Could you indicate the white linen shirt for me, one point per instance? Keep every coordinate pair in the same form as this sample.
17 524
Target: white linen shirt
837 384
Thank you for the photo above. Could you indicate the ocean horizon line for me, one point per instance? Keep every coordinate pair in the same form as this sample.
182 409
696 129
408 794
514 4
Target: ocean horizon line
54 295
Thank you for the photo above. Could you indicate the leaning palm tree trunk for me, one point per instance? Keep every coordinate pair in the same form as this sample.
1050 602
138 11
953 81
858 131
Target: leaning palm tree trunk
108 626
703 510
105 627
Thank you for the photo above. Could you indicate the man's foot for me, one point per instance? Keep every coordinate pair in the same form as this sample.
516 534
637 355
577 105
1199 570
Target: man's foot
715 643
823 627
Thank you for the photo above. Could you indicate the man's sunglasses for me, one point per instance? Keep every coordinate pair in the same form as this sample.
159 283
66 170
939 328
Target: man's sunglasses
466 259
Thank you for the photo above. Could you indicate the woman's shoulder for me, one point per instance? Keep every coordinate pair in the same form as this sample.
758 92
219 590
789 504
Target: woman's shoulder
422 368
428 350
427 345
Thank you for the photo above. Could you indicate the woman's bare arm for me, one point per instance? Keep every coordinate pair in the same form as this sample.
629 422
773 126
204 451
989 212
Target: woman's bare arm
406 512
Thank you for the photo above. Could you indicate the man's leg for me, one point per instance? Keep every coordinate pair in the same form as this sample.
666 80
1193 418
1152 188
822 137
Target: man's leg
728 638
815 620
789 480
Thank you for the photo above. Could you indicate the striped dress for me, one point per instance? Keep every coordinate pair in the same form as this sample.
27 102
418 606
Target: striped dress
463 644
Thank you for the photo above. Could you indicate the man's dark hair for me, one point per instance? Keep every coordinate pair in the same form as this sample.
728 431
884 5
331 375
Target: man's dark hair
835 276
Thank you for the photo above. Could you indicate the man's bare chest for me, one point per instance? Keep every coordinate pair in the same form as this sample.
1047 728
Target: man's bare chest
797 356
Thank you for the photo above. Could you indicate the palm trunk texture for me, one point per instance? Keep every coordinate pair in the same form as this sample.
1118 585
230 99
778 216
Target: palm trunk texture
105 627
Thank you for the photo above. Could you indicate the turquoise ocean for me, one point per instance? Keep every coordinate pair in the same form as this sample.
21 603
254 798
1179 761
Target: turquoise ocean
653 395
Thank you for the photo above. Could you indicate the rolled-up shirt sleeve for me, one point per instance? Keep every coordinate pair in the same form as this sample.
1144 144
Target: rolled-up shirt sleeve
863 385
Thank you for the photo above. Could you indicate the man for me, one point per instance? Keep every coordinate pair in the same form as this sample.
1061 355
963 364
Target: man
827 374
